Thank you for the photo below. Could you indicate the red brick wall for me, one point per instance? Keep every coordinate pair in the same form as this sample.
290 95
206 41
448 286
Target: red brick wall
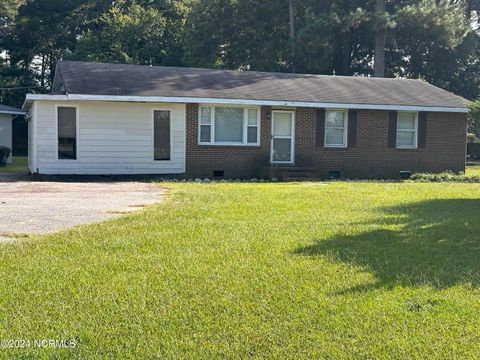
235 161
371 158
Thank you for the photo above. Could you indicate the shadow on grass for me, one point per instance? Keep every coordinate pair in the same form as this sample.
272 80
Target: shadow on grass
434 243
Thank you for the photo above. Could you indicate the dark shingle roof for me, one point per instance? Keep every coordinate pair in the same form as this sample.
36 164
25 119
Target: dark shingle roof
139 80
5 109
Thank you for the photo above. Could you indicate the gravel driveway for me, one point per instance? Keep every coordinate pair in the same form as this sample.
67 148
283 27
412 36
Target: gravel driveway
29 207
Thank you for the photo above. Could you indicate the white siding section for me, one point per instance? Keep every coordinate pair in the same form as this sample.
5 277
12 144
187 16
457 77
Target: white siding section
31 146
113 138
6 132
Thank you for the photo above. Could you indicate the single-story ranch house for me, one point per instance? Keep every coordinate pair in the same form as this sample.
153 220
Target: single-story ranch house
7 113
131 119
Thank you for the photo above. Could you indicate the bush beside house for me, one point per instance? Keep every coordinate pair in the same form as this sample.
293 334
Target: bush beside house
4 154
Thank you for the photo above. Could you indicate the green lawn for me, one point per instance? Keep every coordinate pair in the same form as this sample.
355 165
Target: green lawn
19 163
472 170
339 270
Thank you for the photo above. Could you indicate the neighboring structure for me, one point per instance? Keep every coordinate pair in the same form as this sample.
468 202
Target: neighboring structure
7 113
131 119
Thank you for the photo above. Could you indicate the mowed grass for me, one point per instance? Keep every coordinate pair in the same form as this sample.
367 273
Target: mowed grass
472 170
338 270
19 163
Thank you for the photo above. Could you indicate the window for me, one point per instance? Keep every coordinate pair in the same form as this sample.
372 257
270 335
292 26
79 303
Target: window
161 135
252 126
67 133
336 128
406 130
205 124
229 125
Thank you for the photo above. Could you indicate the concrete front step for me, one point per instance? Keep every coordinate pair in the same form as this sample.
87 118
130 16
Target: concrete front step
293 179
292 173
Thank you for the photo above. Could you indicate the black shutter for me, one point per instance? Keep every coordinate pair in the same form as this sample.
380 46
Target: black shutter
352 128
392 129
422 129
320 128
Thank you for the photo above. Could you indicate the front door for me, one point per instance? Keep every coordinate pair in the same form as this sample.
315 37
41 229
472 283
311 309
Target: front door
283 141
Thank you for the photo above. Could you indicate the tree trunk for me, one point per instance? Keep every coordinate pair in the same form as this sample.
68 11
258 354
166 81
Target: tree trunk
42 80
379 52
468 9
347 53
291 13
52 63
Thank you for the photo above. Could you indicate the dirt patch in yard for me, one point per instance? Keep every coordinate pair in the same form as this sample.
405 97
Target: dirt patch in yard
30 207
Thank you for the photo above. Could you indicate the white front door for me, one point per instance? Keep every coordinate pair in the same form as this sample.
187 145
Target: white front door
283 137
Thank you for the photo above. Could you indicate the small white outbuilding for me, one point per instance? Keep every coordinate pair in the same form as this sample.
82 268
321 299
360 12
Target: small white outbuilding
7 113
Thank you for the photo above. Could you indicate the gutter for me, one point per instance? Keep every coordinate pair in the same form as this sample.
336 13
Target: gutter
180 99
13 112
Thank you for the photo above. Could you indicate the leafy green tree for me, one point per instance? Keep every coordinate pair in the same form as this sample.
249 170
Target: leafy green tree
380 33
474 118
137 32
433 40
176 13
238 34
14 84
422 29
45 30
430 39
332 37
132 35
8 9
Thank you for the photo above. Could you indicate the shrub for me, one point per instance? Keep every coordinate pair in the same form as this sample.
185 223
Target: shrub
4 154
446 176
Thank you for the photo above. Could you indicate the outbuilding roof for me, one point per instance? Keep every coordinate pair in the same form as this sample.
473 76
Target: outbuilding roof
134 82
5 109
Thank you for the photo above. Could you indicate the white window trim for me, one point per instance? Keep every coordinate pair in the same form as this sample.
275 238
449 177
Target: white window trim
245 126
153 137
415 146
77 132
345 129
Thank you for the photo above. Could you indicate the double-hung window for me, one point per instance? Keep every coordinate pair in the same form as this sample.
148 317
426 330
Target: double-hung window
205 125
252 126
221 125
336 128
407 130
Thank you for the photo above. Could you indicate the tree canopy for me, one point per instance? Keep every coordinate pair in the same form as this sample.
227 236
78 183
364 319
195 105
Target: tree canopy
436 40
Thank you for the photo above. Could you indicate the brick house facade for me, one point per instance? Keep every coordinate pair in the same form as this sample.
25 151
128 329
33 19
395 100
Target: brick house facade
371 157
105 119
